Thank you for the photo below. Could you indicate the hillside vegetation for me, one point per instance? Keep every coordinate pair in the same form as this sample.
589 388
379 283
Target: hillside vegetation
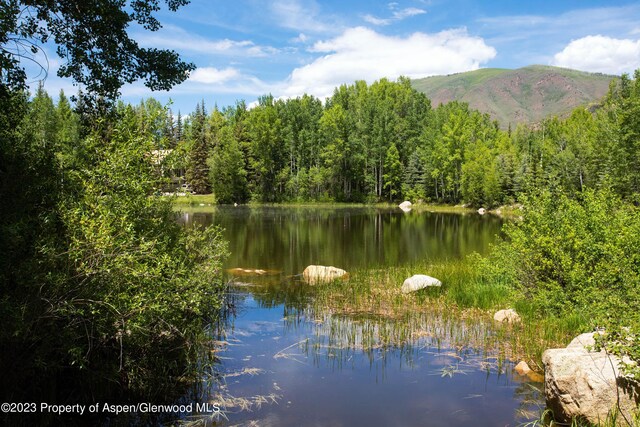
526 95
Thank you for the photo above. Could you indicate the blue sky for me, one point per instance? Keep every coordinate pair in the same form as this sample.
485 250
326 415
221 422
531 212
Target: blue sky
247 48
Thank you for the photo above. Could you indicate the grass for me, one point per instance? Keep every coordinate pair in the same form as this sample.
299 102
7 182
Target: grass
460 312
208 201
192 200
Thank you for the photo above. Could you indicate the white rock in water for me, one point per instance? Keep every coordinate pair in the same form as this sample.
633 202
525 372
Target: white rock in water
509 316
522 368
584 384
419 281
320 274
405 206
482 211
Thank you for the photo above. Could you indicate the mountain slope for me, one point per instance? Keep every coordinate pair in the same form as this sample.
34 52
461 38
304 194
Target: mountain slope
525 95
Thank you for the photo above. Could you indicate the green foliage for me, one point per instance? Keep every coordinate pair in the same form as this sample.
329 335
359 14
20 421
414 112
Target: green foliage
623 342
393 173
139 280
578 254
200 147
228 176
92 39
99 284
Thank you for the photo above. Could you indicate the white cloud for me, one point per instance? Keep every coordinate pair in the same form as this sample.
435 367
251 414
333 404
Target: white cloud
300 15
600 54
363 54
376 21
302 38
172 37
211 75
397 15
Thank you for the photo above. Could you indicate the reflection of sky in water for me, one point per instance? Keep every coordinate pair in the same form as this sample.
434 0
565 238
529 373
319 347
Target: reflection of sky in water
320 381
319 370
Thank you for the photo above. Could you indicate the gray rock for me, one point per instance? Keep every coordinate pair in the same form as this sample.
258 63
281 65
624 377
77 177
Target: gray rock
314 274
509 315
584 384
419 281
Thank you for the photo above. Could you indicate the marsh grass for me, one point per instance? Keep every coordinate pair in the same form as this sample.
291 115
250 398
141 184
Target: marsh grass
458 314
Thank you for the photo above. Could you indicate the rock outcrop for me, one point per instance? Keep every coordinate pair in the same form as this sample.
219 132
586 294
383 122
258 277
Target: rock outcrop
314 274
509 315
419 281
581 383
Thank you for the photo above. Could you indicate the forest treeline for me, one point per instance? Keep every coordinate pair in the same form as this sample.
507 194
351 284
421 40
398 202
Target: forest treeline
385 142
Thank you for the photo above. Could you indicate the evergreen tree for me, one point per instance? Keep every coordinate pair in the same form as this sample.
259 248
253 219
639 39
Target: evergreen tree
198 169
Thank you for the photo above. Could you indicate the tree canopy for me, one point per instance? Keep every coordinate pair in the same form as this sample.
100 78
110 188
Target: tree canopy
92 38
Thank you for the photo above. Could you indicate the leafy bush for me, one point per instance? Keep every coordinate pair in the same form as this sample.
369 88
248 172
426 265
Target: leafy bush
112 296
577 258
577 254
144 284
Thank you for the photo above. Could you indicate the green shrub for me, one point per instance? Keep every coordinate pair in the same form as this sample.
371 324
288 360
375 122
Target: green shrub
576 259
576 254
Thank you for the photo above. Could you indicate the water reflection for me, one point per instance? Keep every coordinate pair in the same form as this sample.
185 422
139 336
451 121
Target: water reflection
283 363
289 239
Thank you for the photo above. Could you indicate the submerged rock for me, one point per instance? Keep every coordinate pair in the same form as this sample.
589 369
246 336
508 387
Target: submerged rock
584 384
321 274
251 272
509 315
419 281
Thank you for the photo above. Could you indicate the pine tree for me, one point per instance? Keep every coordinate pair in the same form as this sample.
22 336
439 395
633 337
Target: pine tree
198 170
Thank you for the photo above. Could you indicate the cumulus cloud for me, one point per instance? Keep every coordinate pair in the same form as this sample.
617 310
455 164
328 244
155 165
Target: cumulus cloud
600 54
363 54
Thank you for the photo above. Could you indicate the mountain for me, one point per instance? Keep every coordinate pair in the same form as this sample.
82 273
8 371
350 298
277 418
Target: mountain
525 95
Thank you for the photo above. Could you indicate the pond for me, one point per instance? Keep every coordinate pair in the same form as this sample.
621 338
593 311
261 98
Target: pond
283 362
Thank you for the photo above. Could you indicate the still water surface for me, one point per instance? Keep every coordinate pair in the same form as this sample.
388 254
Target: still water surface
281 364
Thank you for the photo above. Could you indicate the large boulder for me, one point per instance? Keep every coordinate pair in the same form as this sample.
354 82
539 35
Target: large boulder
581 383
509 315
314 274
419 281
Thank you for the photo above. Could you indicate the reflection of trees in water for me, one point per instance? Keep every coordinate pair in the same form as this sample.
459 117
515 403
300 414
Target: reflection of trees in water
289 239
